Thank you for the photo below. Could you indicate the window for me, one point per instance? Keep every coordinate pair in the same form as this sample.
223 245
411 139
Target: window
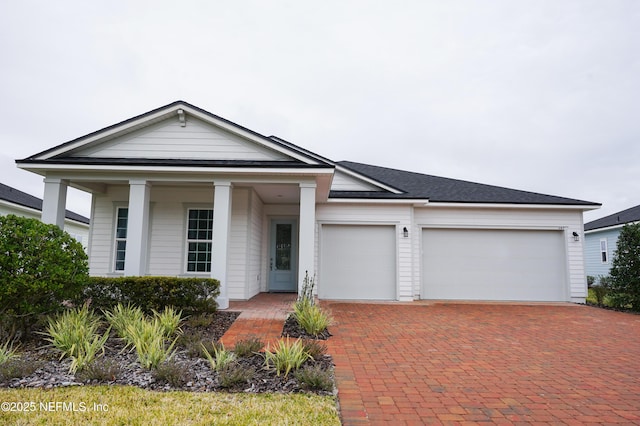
603 251
121 237
199 239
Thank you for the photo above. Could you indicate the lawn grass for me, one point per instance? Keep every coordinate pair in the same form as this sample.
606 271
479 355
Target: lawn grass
120 405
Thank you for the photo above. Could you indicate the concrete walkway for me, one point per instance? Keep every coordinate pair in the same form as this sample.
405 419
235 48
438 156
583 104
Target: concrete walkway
477 363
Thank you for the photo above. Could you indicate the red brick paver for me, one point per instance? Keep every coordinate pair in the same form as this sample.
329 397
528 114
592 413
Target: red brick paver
263 316
479 363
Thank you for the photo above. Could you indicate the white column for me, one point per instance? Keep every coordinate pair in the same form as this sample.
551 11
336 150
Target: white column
135 260
54 201
307 234
221 227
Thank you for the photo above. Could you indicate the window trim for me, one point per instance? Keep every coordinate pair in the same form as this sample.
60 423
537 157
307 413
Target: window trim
604 251
188 240
116 239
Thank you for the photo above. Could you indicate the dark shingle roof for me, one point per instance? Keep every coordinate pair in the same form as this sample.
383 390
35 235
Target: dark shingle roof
440 189
625 216
15 196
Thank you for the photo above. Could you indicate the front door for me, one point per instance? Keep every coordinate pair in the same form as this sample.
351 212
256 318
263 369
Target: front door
283 255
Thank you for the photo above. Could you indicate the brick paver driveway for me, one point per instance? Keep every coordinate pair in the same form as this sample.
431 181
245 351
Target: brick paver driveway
457 363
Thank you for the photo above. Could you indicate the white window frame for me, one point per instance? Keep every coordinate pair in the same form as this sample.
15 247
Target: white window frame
604 251
196 240
118 239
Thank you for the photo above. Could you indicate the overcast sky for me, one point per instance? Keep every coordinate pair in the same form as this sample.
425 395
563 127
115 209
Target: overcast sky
541 96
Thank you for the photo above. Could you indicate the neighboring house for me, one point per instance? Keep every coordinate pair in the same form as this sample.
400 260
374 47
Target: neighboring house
20 203
181 191
601 239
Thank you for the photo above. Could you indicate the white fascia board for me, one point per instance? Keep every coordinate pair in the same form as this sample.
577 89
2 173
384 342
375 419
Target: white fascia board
367 179
415 201
513 206
36 168
609 228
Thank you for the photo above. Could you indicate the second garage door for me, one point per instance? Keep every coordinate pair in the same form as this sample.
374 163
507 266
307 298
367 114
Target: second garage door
357 262
489 264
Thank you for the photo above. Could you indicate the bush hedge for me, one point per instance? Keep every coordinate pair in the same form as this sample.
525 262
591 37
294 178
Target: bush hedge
192 296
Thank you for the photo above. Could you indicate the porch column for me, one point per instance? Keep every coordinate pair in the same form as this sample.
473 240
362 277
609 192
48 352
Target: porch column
221 226
54 201
135 258
307 233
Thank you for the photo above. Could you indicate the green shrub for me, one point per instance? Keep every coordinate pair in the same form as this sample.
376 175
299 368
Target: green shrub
41 266
100 369
120 317
315 378
150 342
192 296
233 374
18 368
625 270
314 348
7 352
590 280
174 374
601 289
248 347
74 333
311 318
286 356
220 358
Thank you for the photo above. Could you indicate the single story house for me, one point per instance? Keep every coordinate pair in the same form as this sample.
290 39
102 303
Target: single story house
13 201
601 239
181 191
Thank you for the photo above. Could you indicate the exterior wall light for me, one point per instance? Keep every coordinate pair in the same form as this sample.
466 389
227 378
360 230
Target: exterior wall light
576 236
405 232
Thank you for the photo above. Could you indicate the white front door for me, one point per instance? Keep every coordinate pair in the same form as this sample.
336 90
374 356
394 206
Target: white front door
283 255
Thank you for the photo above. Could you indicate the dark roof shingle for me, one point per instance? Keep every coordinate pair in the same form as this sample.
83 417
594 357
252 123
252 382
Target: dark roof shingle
631 214
440 189
15 196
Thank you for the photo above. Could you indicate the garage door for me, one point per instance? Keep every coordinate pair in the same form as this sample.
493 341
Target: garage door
357 262
485 264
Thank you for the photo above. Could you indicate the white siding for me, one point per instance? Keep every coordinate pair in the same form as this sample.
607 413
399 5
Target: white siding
102 228
238 239
344 182
517 218
400 216
255 277
167 139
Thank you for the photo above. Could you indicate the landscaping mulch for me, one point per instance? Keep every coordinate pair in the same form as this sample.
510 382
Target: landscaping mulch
189 372
291 328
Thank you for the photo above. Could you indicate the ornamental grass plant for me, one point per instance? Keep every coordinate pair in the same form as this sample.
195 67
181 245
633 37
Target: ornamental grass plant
286 356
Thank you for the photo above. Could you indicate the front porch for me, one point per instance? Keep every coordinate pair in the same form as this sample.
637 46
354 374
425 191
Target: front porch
226 229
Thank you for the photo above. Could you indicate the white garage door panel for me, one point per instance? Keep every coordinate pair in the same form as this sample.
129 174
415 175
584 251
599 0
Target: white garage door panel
483 264
358 262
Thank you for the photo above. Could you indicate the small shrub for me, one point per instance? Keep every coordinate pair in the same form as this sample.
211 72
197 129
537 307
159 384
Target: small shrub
169 320
74 334
220 358
314 348
233 374
306 293
192 296
311 318
174 374
248 347
199 321
192 342
7 352
18 368
601 289
590 280
314 378
121 317
149 341
286 356
100 370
